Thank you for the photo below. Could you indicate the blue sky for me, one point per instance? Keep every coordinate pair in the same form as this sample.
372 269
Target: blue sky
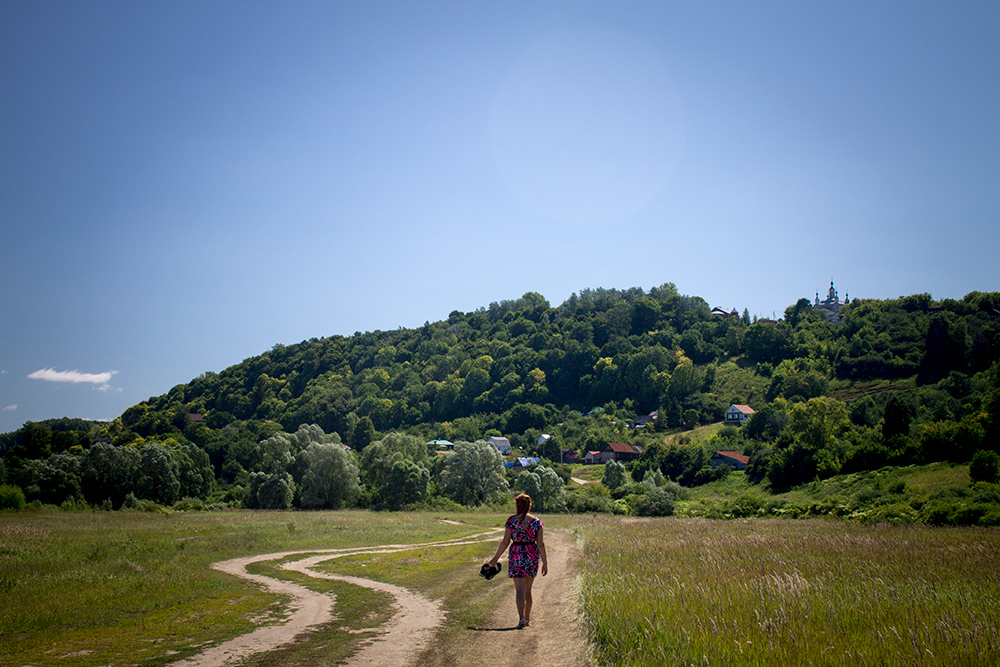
185 184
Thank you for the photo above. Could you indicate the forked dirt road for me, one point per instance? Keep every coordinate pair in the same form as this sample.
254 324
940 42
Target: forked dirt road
554 638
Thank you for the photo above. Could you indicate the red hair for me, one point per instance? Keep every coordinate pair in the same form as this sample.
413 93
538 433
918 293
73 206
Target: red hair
523 504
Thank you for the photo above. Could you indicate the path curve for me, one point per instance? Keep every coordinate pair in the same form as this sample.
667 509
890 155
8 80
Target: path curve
406 633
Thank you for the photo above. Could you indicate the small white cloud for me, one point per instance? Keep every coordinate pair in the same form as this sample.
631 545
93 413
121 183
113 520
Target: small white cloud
3 372
76 377
10 408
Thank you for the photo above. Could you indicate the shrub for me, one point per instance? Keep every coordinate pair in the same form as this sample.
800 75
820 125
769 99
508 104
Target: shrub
614 475
747 506
988 494
985 467
189 505
894 513
584 503
11 498
950 492
866 497
679 492
991 517
71 504
234 495
140 505
439 504
656 503
628 490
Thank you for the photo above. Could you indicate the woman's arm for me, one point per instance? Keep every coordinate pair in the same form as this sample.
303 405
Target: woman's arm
541 551
504 543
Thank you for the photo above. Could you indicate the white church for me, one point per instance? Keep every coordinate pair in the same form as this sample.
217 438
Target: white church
831 304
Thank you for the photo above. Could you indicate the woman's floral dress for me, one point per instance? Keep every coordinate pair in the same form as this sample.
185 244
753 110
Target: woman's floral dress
523 558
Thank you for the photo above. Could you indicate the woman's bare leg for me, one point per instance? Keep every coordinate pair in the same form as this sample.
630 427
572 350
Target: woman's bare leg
520 595
527 598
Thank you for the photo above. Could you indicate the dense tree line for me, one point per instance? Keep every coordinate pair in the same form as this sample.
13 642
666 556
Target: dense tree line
341 421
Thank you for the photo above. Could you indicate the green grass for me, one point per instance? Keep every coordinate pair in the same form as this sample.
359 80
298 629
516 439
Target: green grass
360 609
732 485
590 473
102 588
700 435
689 591
851 390
934 494
918 479
106 587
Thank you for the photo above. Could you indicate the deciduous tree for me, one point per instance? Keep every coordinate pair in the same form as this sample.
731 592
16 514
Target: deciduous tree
331 478
474 474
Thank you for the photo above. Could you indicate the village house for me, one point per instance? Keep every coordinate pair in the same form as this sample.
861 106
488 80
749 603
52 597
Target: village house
592 457
737 414
619 451
502 444
571 457
642 420
522 463
734 460
440 444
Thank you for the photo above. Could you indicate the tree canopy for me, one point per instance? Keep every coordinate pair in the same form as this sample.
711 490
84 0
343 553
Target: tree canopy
892 382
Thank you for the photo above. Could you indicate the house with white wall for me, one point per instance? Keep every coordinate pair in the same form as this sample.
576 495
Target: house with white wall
737 414
502 444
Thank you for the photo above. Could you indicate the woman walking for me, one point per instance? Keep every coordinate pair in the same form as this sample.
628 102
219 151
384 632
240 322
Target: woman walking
523 534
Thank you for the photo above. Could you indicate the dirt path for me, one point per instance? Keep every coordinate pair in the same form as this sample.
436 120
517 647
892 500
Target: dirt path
555 637
405 635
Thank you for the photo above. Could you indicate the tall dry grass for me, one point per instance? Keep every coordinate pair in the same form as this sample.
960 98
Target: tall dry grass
701 592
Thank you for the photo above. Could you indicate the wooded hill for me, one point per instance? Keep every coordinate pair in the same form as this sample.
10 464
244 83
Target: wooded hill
895 382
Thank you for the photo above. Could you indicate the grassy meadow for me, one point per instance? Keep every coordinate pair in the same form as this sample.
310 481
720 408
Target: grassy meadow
130 588
783 592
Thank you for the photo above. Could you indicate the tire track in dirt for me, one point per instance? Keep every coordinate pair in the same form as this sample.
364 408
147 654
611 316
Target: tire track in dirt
406 633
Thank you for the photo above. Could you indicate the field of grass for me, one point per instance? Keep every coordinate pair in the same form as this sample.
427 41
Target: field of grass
125 588
851 390
100 588
700 435
590 473
772 592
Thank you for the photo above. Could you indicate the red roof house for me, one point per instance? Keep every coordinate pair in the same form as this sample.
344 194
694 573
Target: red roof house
619 451
734 460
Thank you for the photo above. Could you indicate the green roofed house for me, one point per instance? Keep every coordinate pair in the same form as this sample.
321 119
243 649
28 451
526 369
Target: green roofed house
441 444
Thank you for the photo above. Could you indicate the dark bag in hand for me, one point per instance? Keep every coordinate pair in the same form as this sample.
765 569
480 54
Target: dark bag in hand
488 572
